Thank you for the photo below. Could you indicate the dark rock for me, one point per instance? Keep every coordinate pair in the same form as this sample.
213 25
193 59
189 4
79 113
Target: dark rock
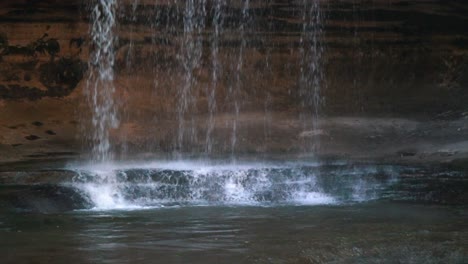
15 92
17 126
43 198
77 42
27 77
37 123
32 137
50 132
51 154
406 153
61 77
443 188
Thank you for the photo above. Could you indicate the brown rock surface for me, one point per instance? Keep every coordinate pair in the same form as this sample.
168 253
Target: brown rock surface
396 74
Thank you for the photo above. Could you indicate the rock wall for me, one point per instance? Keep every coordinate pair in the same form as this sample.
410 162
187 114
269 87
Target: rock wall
382 59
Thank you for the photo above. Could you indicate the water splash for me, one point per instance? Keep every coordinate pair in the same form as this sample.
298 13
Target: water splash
100 83
182 183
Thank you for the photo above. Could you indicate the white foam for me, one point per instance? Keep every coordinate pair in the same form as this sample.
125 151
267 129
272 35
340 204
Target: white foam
313 198
157 184
187 165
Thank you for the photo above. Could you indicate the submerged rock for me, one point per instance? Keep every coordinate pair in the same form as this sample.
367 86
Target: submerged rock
42 198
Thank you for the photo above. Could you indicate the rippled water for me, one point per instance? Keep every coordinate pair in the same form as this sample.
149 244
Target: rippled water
192 212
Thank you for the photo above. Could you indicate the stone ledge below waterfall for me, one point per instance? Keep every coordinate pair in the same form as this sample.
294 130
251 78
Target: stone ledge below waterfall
393 140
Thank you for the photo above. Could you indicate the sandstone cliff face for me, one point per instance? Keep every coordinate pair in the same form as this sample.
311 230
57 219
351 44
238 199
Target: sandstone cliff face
398 59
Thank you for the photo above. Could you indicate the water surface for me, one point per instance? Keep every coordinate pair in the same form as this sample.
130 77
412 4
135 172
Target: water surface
374 214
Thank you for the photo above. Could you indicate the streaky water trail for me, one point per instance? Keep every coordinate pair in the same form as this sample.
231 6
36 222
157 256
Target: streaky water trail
100 87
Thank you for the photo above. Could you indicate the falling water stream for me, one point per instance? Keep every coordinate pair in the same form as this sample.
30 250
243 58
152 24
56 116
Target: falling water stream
100 87
207 67
205 27
236 86
190 58
311 74
216 72
206 202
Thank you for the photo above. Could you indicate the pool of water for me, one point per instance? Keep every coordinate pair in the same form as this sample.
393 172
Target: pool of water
251 213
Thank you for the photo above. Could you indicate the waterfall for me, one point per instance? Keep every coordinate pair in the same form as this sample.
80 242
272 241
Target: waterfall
204 62
100 83
190 59
217 24
311 72
235 88
130 62
203 58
